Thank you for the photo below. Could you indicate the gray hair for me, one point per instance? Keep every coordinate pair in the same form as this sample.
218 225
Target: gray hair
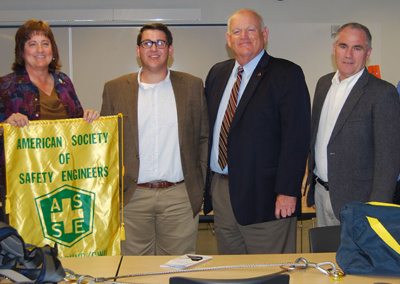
259 18
356 26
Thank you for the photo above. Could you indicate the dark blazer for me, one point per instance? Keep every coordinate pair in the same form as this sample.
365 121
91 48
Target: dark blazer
121 96
364 148
268 140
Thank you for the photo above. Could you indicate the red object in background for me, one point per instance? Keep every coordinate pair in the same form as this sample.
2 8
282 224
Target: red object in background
374 69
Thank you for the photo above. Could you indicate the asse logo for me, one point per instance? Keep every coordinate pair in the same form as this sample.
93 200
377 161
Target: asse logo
66 214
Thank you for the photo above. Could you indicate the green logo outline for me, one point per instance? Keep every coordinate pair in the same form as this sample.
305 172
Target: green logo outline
87 210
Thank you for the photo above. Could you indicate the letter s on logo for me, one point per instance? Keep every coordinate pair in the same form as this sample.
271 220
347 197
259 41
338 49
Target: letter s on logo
57 228
77 199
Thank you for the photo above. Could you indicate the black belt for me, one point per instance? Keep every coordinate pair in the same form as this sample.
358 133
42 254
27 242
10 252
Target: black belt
323 183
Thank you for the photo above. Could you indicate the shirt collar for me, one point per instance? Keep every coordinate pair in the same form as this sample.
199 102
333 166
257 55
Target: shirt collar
348 81
248 69
165 81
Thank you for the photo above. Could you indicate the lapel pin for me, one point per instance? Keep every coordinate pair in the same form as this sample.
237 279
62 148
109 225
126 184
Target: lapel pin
259 74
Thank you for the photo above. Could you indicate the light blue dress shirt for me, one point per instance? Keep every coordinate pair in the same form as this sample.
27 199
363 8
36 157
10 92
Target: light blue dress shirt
248 70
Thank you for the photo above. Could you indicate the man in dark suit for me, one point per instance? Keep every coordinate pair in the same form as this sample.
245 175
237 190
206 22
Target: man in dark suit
165 148
355 146
256 196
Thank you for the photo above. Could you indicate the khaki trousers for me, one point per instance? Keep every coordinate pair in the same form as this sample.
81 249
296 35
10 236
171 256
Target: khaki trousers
232 238
160 222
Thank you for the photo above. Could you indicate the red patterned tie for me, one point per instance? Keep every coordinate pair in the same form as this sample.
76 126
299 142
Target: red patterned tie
226 122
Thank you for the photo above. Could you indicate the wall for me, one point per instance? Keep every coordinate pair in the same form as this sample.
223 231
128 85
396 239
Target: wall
95 51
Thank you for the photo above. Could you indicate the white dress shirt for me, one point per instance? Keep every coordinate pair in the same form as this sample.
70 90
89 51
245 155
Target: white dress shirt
334 101
159 150
247 72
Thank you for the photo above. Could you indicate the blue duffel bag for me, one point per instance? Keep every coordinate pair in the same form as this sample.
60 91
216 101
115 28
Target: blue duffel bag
370 239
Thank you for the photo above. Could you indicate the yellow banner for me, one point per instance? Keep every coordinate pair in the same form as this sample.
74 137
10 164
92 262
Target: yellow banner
62 184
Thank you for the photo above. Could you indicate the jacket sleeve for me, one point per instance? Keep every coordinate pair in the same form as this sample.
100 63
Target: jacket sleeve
295 120
386 136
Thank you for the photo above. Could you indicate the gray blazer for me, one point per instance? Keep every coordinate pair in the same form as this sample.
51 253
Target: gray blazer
364 148
121 96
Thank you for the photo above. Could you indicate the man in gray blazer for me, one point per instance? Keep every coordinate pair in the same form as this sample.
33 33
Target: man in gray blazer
355 144
165 148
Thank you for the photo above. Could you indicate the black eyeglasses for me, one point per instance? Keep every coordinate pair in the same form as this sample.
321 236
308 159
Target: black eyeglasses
160 44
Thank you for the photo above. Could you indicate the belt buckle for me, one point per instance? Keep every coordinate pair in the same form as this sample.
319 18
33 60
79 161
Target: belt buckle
151 185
